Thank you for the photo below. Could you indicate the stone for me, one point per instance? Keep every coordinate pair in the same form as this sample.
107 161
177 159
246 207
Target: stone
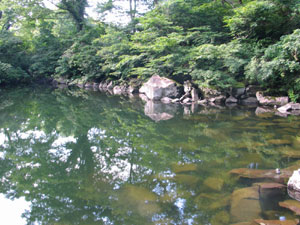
88 85
158 87
279 142
262 174
132 89
294 194
117 90
245 205
231 100
110 86
243 223
203 102
195 95
276 222
187 86
249 101
269 190
166 100
175 100
217 100
294 181
179 168
270 100
214 183
187 101
289 106
238 92
220 218
292 205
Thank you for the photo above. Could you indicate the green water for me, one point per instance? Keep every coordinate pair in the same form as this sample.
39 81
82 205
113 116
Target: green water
83 157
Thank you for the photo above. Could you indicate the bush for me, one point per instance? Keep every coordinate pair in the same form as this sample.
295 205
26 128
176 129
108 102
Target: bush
278 68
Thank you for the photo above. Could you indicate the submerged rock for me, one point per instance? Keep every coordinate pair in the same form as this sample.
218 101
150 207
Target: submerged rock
245 205
292 205
262 174
214 183
276 222
220 218
158 87
268 190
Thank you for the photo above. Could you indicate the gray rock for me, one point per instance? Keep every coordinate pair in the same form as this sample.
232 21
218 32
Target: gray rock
158 87
143 97
187 86
294 181
117 90
218 100
271 101
88 85
195 94
231 100
203 102
289 106
175 100
110 86
237 92
187 101
249 101
166 100
132 89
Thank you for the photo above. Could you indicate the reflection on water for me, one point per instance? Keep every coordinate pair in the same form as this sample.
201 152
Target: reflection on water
12 210
83 157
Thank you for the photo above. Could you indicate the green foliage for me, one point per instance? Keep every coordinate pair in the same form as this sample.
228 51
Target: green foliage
264 19
10 74
81 58
279 67
220 65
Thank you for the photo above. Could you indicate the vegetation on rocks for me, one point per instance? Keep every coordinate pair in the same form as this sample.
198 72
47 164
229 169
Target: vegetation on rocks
213 43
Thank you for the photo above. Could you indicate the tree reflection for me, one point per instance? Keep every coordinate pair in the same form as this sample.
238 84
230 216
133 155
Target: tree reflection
85 158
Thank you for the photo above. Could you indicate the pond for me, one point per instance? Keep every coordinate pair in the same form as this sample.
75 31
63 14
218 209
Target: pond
72 156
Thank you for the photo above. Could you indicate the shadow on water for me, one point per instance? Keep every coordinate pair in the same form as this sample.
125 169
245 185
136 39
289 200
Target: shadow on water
83 157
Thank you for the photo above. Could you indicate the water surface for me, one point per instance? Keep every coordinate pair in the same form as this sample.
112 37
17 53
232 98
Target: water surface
83 157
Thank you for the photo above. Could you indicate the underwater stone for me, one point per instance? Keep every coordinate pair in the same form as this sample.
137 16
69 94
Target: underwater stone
276 222
245 205
292 205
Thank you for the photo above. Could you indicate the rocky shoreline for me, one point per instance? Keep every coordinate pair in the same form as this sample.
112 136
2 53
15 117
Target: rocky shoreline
167 91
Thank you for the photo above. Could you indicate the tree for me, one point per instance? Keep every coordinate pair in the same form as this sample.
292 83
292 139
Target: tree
76 9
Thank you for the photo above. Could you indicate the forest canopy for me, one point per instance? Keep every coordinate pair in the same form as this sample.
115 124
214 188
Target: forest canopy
218 43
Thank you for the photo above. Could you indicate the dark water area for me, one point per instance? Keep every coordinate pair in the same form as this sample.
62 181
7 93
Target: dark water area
84 157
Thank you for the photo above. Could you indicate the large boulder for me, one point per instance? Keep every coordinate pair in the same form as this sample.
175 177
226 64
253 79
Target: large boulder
270 100
158 87
294 181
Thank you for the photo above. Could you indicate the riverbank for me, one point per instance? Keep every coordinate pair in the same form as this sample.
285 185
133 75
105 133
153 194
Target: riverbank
167 91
